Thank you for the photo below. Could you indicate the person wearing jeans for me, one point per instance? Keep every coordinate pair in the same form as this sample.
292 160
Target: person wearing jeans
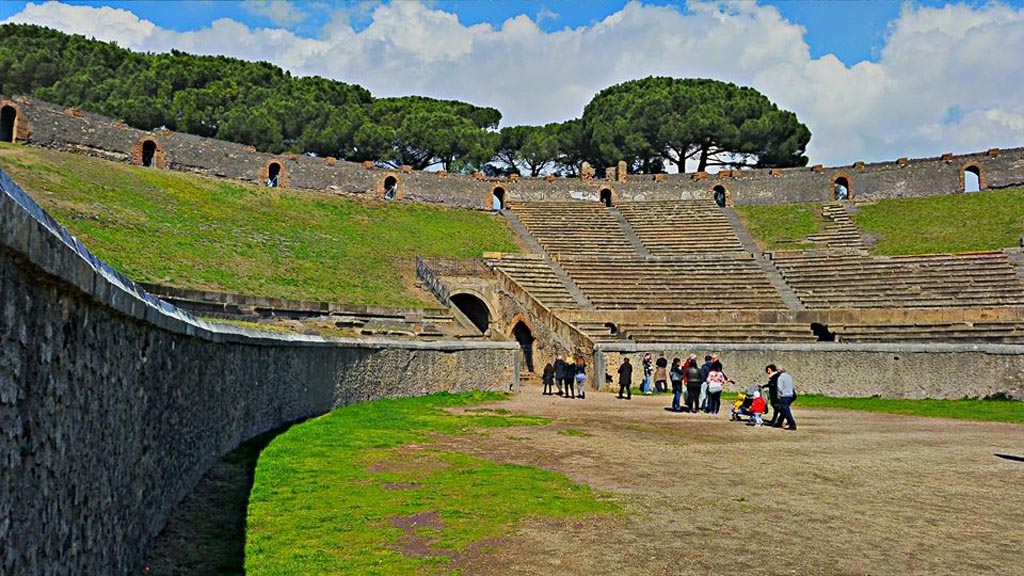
675 374
787 394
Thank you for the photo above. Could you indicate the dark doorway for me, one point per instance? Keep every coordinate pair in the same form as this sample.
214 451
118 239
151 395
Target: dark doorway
498 199
972 179
8 115
841 189
606 197
612 328
148 151
390 188
274 175
719 195
474 309
521 332
822 333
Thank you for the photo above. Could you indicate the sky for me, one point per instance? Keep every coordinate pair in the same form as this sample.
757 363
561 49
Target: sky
873 80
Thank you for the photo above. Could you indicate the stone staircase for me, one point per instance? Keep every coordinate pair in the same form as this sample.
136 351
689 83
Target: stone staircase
840 232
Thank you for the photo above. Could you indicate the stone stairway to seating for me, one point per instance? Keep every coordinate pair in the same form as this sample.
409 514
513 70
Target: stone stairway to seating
574 228
840 232
670 228
724 281
770 271
856 280
535 275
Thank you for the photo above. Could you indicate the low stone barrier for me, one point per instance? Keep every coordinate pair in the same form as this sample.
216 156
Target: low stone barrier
853 370
113 404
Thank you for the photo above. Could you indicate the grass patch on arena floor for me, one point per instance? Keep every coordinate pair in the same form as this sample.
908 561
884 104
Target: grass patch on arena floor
191 231
989 410
363 490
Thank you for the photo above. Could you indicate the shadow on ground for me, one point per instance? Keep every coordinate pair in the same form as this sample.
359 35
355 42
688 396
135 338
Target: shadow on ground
206 533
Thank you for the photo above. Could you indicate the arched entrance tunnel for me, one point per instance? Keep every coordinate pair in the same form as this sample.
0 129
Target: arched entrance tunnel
474 309
148 151
8 116
521 332
274 175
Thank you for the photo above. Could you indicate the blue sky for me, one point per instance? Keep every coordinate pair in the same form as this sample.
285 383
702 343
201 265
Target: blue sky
873 80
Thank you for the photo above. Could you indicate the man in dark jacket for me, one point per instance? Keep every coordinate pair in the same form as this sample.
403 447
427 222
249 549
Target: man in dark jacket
773 391
626 379
561 369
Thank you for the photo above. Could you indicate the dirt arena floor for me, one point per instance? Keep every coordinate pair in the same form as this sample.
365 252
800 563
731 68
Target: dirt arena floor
848 493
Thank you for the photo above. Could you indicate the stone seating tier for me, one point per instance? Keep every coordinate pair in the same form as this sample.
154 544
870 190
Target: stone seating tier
576 228
536 277
681 226
723 283
940 280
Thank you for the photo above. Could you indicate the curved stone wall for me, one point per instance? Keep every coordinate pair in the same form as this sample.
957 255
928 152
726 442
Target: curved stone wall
855 370
47 125
113 404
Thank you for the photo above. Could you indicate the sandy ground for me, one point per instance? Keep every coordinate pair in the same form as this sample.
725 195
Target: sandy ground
849 493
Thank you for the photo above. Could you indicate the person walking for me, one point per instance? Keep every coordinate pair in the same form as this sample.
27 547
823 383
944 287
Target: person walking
661 373
694 384
773 393
581 377
560 370
675 374
548 377
787 394
626 379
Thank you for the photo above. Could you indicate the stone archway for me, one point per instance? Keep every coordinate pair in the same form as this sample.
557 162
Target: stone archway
8 123
842 187
523 334
721 195
390 187
148 152
497 198
274 174
972 178
607 197
474 308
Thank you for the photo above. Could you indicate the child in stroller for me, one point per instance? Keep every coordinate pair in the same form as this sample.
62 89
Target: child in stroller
750 405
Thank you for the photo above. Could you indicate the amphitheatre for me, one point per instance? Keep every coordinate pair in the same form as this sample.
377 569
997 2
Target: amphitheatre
115 404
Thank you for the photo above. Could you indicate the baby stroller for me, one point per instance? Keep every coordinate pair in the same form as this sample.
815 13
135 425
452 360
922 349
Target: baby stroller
749 407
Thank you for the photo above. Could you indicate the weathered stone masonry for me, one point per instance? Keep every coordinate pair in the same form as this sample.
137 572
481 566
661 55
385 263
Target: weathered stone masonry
82 132
112 408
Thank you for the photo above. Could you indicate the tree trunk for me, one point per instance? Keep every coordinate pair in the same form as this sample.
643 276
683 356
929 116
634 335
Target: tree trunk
703 163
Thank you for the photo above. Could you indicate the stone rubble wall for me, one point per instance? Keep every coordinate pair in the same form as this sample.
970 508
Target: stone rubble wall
112 406
77 131
916 371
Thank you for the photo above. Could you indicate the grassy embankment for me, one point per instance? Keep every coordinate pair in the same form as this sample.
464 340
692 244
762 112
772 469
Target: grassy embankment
337 494
989 220
196 232
988 410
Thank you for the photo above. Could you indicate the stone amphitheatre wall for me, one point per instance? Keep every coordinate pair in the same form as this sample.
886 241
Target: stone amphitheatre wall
855 370
113 404
51 126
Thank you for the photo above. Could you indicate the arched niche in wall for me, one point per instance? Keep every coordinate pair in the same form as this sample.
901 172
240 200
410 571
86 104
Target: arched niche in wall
147 152
390 187
972 178
8 122
842 187
474 308
274 174
498 198
721 195
523 332
607 196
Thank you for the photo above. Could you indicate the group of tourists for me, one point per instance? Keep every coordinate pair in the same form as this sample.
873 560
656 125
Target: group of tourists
700 387
570 378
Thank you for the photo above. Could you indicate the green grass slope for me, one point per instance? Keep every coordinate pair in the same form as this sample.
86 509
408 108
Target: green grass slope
979 221
197 232
340 494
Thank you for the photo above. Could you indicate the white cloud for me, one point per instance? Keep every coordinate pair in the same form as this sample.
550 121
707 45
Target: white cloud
935 60
279 12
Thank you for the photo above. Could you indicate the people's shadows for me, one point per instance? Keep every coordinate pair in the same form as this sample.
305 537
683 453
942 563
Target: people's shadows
1010 457
206 532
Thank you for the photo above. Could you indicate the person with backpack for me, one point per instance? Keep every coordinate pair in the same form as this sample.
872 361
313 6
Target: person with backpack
787 395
